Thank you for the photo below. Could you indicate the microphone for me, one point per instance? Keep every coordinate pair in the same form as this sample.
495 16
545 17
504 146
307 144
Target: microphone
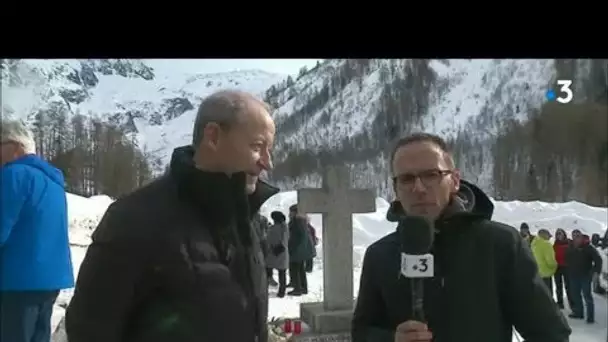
416 235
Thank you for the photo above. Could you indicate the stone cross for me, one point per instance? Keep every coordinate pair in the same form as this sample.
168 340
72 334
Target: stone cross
337 202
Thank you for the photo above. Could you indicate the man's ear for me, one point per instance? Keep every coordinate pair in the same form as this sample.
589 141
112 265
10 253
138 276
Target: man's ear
211 135
455 180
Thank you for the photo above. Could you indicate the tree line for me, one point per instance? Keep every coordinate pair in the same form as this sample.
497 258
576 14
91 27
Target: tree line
96 157
559 154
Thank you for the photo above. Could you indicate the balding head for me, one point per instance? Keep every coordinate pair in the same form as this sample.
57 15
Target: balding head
223 108
234 132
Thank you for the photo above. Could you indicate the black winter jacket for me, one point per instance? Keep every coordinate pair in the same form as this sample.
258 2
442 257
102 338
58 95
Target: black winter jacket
175 261
301 246
583 260
486 282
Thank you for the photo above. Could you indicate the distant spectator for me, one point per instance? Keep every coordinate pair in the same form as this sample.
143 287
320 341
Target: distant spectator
301 249
545 257
583 260
35 261
524 231
278 255
596 240
560 246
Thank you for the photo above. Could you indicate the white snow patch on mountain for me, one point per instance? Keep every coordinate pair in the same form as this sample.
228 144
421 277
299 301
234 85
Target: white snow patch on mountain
464 89
135 97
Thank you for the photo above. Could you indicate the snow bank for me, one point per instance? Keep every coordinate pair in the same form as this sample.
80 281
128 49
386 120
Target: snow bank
569 216
85 214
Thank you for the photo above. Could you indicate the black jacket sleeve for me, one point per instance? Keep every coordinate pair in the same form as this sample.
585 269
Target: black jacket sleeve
297 233
526 302
597 260
369 323
105 289
262 224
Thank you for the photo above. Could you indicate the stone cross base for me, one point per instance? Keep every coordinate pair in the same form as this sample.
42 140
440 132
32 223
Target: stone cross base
337 337
59 335
324 321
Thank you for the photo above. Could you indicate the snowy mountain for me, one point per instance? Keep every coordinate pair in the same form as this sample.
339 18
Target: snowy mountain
351 111
158 108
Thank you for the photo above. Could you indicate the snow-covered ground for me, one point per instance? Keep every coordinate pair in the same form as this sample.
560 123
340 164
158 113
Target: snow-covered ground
86 212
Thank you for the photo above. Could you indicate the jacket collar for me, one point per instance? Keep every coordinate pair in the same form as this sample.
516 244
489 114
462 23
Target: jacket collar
218 195
469 203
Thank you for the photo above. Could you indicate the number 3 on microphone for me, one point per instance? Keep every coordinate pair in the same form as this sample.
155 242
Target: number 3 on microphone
417 266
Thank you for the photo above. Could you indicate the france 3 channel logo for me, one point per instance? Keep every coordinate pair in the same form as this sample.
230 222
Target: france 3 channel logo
564 92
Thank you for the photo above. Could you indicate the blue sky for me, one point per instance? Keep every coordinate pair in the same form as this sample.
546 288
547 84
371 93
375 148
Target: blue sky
280 66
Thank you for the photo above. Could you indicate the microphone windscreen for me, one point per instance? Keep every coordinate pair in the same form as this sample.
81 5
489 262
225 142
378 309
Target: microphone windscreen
416 234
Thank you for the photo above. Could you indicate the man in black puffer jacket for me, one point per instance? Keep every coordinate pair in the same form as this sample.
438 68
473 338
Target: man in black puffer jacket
179 260
582 260
485 278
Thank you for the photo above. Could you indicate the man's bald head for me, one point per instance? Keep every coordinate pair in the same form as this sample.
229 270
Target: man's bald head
223 108
234 133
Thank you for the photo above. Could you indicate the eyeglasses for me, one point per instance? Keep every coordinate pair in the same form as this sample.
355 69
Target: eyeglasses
428 178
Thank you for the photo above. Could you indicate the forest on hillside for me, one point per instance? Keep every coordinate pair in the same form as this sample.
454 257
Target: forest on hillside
564 155
96 157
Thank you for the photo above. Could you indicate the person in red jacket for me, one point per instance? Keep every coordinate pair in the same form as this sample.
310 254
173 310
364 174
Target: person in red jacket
561 275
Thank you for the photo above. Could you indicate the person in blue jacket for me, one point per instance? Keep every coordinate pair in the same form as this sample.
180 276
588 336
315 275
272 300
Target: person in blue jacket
35 261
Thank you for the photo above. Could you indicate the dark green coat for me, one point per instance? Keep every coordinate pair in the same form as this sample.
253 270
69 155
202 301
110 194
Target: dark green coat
301 247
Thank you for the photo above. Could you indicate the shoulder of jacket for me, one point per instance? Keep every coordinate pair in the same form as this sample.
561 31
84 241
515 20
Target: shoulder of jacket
383 245
140 209
159 191
499 233
17 169
20 175
500 228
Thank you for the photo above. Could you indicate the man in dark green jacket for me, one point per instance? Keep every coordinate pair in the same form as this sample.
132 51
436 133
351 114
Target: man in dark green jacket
301 249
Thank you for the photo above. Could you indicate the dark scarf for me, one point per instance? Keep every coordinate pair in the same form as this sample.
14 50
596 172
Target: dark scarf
220 197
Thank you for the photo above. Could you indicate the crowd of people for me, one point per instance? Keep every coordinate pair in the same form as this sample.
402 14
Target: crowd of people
189 258
288 247
570 263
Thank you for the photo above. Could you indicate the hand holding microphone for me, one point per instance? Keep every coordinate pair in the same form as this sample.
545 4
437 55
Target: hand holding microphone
413 331
416 235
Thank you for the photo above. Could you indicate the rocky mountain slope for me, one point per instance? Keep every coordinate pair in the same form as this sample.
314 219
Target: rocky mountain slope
158 109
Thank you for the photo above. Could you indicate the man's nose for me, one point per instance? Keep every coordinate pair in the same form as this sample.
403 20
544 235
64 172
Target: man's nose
418 186
266 161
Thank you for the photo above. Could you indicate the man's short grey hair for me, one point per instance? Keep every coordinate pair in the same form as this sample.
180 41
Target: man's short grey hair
223 108
17 132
